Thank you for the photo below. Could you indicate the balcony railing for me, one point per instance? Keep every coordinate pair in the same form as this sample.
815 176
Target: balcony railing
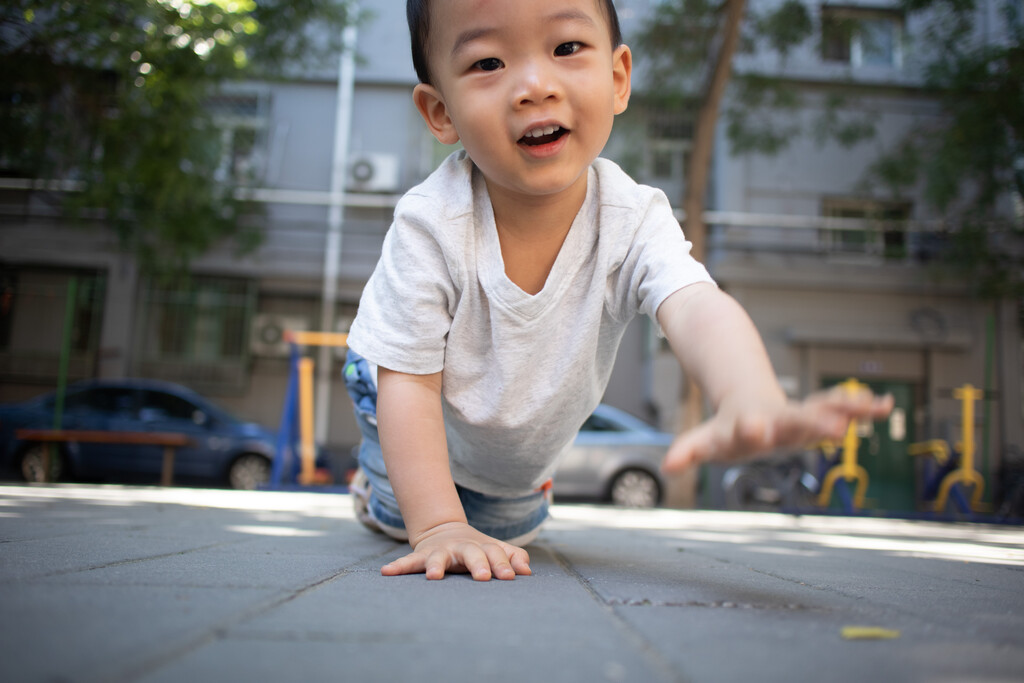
838 239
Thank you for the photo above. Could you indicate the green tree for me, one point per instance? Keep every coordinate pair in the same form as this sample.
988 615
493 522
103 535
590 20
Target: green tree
114 99
972 160
968 163
691 44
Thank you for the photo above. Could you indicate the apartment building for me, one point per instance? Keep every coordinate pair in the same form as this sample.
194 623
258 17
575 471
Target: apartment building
835 277
841 278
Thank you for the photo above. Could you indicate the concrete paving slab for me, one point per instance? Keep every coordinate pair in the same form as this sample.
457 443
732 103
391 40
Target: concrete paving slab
771 606
357 628
108 583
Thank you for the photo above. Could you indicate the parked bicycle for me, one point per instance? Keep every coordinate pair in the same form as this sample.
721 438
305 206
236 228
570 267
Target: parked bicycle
771 485
1011 504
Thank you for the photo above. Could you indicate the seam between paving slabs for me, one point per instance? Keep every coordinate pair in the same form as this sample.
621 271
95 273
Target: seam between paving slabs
121 563
634 636
854 599
152 663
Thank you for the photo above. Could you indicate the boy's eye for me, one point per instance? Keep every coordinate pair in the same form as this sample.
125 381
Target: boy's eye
489 64
569 48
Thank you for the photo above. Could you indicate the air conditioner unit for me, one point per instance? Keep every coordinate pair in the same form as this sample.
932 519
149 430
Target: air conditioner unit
372 172
267 338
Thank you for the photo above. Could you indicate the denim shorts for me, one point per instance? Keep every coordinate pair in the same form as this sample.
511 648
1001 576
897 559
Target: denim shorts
504 518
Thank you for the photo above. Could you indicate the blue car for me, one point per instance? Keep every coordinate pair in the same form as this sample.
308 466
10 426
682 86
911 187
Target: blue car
223 449
615 458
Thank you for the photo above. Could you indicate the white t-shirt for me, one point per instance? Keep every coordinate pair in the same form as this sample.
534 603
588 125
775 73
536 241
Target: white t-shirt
521 372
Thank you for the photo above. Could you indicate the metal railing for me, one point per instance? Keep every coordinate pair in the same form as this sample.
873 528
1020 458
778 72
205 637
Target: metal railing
853 239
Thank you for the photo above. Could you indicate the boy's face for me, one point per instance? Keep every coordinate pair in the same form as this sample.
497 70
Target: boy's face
530 87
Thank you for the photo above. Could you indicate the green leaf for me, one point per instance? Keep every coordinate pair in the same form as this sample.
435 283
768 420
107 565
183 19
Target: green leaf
116 95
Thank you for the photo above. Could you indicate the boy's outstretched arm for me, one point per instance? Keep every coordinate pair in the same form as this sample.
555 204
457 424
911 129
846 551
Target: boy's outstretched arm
411 427
719 347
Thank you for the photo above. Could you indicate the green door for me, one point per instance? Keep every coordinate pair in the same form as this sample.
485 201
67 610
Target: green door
883 450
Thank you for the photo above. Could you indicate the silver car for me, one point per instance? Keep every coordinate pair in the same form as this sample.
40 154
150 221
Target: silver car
615 458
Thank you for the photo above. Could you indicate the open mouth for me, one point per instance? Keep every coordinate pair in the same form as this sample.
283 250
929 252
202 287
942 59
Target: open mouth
542 136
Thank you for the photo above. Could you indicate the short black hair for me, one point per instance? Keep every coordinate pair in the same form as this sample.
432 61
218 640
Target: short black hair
417 13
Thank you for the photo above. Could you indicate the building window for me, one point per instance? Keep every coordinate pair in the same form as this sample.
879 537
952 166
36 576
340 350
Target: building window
196 334
35 305
862 37
669 136
866 227
242 119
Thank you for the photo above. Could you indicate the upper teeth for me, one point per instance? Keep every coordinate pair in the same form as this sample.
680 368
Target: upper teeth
538 132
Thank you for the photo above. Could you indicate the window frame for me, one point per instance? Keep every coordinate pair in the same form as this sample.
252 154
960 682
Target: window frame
196 334
238 112
844 23
884 234
31 342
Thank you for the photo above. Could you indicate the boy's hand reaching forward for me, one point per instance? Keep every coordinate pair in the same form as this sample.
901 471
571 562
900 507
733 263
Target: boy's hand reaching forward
456 547
744 429
719 347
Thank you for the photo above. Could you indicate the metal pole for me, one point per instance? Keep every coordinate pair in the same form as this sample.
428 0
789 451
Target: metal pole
332 251
65 352
50 451
307 448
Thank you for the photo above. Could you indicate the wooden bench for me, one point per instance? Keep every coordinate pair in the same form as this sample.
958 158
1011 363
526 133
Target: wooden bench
169 440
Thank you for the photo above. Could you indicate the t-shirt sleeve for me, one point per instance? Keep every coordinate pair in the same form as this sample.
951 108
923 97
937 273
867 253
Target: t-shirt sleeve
659 262
405 310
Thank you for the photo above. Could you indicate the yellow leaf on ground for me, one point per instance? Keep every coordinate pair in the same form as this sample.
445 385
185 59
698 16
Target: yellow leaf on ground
869 633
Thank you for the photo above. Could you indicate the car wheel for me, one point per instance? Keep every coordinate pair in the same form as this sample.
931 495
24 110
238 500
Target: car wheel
249 472
33 464
635 488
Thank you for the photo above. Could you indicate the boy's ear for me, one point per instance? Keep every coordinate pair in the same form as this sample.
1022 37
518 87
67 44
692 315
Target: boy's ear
622 73
430 103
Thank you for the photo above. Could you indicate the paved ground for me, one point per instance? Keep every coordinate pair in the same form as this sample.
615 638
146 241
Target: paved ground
148 584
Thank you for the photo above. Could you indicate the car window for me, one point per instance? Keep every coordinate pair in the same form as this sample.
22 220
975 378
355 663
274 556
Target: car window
105 400
159 405
596 423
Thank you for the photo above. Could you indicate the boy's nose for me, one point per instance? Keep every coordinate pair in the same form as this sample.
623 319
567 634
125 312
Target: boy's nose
536 84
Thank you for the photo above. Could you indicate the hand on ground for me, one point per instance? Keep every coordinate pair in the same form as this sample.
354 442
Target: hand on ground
456 547
742 430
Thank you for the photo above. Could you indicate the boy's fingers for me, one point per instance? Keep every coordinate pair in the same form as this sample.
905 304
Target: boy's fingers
483 558
718 439
437 563
516 558
883 405
686 451
501 568
807 423
409 564
476 562
749 435
519 559
861 403
825 415
836 408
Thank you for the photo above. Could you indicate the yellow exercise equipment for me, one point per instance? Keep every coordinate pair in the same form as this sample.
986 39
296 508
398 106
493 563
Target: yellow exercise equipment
301 383
847 469
307 447
965 474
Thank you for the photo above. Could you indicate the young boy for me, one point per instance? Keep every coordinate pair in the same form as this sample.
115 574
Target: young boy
488 330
